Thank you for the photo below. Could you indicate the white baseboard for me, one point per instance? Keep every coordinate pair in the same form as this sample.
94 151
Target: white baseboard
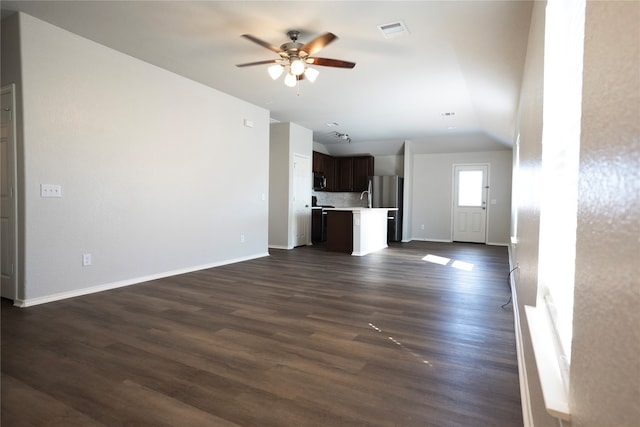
280 247
29 302
431 240
525 399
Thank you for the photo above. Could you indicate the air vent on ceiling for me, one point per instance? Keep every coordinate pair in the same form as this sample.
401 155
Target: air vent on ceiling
393 29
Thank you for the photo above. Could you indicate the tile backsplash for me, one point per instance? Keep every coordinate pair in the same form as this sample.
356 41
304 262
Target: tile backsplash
340 200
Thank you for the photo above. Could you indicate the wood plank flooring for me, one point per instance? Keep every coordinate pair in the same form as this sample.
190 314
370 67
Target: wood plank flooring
300 338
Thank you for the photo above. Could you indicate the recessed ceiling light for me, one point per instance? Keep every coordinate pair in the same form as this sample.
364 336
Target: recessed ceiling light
393 29
333 124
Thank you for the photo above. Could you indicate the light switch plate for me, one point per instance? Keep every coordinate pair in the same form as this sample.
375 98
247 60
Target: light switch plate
50 190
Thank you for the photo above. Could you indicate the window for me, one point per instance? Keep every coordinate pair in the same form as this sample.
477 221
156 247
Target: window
551 321
470 188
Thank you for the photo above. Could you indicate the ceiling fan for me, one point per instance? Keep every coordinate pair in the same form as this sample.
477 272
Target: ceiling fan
295 56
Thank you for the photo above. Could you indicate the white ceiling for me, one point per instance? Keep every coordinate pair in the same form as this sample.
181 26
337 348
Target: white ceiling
464 57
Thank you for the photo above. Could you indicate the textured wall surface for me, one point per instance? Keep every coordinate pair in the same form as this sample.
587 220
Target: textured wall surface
605 369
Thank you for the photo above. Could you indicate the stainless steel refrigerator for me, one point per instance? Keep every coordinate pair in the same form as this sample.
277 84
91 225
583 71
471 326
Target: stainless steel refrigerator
387 192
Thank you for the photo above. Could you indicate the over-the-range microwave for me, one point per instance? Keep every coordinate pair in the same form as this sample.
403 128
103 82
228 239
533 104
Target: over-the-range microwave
319 181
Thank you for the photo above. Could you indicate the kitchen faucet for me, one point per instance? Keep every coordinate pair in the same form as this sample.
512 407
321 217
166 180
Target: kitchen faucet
368 191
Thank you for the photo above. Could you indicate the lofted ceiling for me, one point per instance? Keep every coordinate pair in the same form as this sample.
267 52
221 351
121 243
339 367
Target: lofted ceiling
450 84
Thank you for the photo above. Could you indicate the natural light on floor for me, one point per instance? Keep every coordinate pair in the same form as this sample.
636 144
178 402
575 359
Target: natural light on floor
437 259
460 265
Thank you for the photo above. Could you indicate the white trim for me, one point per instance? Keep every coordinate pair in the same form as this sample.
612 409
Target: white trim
281 247
108 286
451 241
431 240
525 398
556 399
497 244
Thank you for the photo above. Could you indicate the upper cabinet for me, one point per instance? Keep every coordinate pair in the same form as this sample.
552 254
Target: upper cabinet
344 173
325 165
362 170
318 162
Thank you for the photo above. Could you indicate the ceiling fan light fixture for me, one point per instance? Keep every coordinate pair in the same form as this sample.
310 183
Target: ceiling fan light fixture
275 71
294 57
311 74
290 80
297 67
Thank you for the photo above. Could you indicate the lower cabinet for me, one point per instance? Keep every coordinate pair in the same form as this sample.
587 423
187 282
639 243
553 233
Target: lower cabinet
316 225
340 231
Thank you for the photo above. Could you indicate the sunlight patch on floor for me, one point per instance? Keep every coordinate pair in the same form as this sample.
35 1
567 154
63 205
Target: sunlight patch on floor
437 259
460 265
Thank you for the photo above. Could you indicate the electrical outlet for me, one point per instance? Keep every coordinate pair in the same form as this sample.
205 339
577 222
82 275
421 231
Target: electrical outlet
86 260
242 238
422 227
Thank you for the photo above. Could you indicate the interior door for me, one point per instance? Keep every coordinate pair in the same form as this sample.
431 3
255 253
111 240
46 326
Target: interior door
470 192
8 245
301 200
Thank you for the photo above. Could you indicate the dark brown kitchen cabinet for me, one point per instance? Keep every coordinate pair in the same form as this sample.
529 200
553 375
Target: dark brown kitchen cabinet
345 173
325 164
330 172
316 225
362 170
318 162
340 231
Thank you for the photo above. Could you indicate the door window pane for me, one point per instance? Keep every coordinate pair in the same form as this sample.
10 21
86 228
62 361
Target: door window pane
470 188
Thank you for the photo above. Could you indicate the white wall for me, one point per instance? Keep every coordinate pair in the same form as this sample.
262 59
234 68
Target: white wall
279 188
286 140
389 165
526 208
432 189
158 173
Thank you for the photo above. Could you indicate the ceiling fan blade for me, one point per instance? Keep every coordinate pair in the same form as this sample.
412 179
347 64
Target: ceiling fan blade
331 62
268 61
318 43
262 43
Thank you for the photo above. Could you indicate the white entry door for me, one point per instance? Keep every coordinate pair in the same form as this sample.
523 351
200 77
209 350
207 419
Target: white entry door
470 203
301 199
8 218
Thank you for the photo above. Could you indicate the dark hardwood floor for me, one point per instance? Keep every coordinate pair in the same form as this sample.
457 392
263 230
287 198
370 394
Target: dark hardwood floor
300 338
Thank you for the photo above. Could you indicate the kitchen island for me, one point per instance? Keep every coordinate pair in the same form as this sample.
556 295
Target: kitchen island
357 231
